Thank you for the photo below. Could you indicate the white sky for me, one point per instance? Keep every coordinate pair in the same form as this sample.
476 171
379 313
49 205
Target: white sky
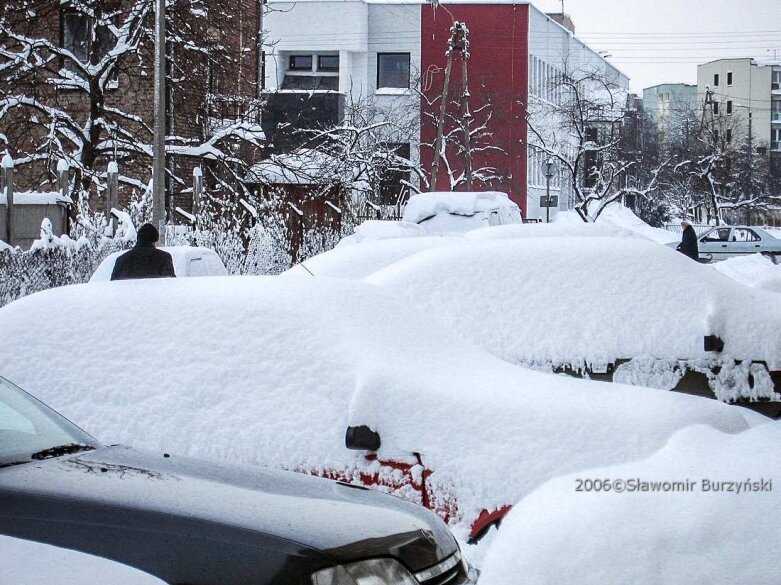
658 41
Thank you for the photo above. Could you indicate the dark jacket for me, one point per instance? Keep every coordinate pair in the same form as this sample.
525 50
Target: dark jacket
688 243
144 260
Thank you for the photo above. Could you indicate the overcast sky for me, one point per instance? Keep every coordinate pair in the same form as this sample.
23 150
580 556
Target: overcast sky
658 41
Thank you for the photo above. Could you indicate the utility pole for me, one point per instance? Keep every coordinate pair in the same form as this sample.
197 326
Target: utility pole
158 170
443 106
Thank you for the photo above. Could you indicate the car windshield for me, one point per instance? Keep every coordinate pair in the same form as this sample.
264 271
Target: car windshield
717 235
30 430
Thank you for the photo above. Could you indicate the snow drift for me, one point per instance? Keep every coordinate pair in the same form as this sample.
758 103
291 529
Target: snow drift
696 536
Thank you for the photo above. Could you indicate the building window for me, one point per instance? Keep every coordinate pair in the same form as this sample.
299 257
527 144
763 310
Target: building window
300 63
76 35
393 70
729 77
716 80
328 63
715 108
776 80
729 106
775 111
775 139
729 135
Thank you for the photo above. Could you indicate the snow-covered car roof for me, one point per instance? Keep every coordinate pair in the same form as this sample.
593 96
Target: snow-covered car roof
580 301
209 263
25 562
272 371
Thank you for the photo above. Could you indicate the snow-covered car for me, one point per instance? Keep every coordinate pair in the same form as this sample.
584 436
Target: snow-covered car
701 510
275 371
448 213
189 521
25 562
721 243
189 261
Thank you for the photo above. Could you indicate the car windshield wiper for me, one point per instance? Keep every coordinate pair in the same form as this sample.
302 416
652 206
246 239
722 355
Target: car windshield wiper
10 463
61 450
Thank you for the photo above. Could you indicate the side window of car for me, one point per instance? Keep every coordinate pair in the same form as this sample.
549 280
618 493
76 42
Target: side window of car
745 235
718 235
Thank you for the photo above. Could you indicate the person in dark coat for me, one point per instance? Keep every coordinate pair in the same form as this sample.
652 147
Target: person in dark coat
144 260
688 243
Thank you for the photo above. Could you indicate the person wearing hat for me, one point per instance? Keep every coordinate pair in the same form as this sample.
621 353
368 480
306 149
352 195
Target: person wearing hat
688 243
144 260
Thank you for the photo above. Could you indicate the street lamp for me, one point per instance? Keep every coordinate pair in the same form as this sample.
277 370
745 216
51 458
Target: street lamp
550 169
158 168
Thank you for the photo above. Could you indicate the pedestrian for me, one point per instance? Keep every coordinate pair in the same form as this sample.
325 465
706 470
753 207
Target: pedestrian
144 260
688 243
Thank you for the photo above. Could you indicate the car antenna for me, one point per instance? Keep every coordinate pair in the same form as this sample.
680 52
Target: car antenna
302 265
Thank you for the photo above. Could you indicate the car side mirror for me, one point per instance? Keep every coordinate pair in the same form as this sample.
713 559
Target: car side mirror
713 343
362 438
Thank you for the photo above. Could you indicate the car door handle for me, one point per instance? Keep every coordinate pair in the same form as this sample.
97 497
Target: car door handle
724 245
756 245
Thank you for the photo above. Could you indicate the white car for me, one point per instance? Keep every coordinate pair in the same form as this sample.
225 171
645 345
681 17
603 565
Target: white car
723 242
459 212
189 261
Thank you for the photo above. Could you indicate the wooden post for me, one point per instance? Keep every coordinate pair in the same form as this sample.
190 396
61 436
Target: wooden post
467 115
8 186
63 184
443 106
112 194
197 192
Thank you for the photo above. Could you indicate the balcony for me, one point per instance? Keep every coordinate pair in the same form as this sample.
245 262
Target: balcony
775 117
775 145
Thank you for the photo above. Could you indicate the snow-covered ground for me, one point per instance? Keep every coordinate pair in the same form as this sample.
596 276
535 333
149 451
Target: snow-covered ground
271 371
675 523
24 562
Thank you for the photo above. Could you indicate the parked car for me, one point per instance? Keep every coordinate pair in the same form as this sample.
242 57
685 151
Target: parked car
723 242
187 521
188 261
275 372
443 213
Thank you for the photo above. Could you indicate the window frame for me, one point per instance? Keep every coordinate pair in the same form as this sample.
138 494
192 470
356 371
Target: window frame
716 79
291 68
729 78
321 69
409 69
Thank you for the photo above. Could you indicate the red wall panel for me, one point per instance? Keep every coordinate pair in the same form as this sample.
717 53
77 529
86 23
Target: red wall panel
498 71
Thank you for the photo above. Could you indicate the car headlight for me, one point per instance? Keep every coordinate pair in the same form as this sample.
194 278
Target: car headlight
374 572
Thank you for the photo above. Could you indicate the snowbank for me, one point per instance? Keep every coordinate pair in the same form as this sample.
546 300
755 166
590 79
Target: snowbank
271 371
25 562
689 537
753 270
581 301
618 216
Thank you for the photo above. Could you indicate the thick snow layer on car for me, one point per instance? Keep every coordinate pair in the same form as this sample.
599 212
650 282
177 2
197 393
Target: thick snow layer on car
375 229
271 371
693 533
209 263
582 301
550 230
358 261
446 212
753 270
25 562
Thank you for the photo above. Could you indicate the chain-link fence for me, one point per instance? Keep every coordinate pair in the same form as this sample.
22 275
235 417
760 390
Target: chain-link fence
26 272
